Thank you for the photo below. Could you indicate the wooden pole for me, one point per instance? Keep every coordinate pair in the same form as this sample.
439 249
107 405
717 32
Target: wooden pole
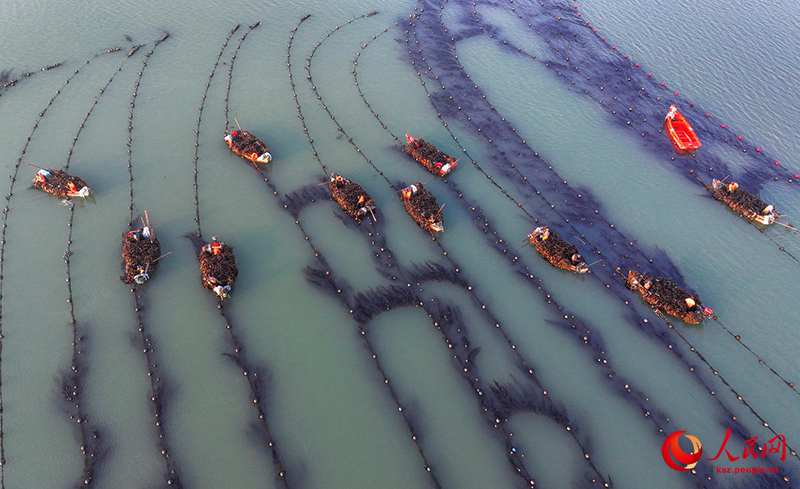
160 257
440 211
789 226
34 166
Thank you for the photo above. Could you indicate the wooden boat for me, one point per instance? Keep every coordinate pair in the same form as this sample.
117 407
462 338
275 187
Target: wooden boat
61 184
140 250
353 199
680 132
248 147
422 207
556 250
743 202
218 264
428 156
665 295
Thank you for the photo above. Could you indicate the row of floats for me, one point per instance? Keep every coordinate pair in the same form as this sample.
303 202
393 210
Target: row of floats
141 249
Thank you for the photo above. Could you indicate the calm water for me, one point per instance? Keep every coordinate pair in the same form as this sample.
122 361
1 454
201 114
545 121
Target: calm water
334 421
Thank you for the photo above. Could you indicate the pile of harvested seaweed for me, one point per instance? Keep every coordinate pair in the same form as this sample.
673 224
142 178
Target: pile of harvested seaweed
352 197
248 146
435 161
60 183
739 199
665 295
422 207
218 265
556 250
140 254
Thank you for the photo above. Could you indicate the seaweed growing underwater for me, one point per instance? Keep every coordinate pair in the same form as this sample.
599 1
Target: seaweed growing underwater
498 243
159 385
546 207
255 374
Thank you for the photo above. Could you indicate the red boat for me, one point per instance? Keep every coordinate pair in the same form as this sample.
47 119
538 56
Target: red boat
680 132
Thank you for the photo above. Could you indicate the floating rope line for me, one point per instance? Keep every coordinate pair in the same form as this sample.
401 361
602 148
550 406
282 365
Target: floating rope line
524 272
255 380
294 93
197 129
131 112
7 82
13 178
764 423
230 71
73 384
157 383
90 435
561 418
253 374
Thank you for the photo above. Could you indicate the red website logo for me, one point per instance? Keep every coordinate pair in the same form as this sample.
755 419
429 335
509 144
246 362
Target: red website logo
671 450
672 453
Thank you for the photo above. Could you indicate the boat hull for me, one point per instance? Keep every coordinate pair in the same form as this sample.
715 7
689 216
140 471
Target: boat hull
680 131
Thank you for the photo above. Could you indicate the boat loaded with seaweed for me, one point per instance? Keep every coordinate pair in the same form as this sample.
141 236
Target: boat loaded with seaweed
248 147
60 183
140 250
556 250
743 202
218 265
680 131
353 199
437 162
422 207
666 296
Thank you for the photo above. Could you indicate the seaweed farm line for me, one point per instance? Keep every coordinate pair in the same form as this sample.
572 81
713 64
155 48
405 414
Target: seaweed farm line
366 351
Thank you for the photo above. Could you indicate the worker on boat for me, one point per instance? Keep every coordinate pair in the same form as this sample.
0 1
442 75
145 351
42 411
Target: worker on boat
209 248
545 234
71 186
769 210
647 284
671 113
134 235
142 276
690 303
222 291
577 259
732 187
360 199
42 176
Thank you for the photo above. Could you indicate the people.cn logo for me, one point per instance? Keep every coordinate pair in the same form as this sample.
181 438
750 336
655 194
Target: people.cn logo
671 450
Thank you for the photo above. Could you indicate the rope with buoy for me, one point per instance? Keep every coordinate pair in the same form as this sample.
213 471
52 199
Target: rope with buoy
197 129
147 343
230 74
